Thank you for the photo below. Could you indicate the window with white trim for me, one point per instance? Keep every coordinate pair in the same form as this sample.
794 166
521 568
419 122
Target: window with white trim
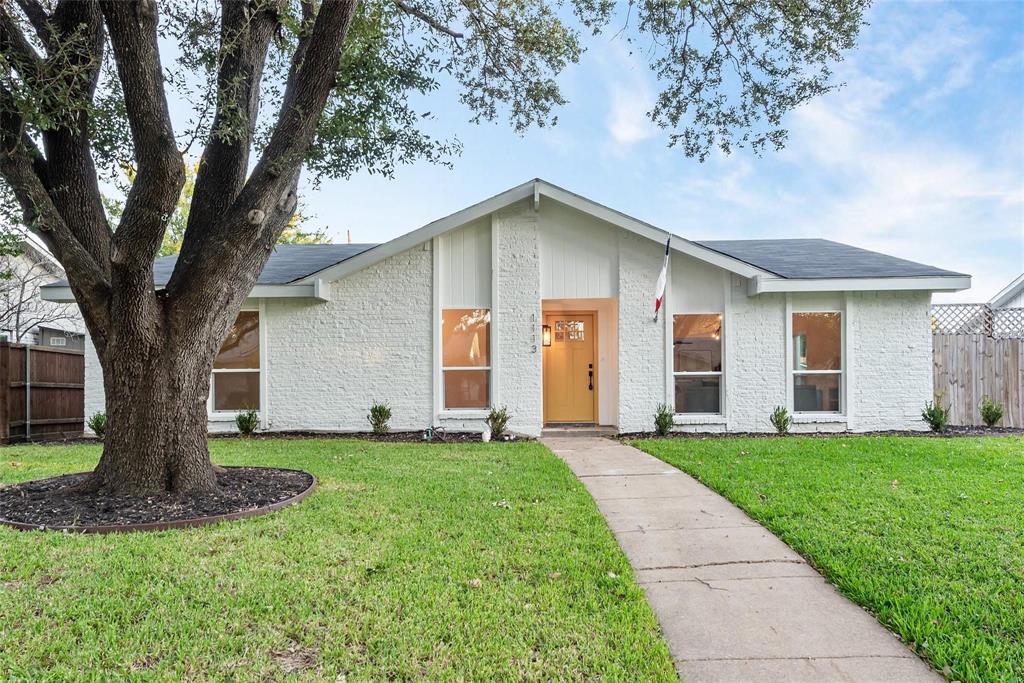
235 385
466 358
697 362
817 349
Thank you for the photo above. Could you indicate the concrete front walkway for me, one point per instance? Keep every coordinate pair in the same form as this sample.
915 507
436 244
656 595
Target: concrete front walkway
735 603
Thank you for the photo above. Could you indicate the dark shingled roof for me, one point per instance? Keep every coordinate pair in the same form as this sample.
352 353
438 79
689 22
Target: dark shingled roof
817 258
288 262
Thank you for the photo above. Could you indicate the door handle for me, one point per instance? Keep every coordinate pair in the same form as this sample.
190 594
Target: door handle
590 377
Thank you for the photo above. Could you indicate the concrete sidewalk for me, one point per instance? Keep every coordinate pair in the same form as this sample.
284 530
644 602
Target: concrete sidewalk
735 603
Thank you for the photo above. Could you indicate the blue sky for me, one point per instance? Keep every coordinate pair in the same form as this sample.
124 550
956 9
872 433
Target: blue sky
921 155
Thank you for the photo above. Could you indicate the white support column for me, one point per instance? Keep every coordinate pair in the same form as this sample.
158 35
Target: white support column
495 322
726 346
264 367
435 346
847 351
787 346
666 314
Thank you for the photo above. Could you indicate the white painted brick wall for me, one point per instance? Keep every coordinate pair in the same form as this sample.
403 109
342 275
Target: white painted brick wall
518 318
755 372
641 340
371 342
891 359
95 400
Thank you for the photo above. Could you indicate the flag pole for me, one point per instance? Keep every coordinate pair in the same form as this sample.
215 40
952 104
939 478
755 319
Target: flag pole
659 295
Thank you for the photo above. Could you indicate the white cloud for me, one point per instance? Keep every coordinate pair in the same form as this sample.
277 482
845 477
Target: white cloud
627 119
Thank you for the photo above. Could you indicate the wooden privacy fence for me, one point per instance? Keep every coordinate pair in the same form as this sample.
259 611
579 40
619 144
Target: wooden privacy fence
978 352
42 393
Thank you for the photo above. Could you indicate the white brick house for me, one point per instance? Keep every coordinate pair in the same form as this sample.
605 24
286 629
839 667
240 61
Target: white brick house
543 301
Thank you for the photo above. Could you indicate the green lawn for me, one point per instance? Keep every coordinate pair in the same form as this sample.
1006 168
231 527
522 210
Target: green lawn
926 533
450 562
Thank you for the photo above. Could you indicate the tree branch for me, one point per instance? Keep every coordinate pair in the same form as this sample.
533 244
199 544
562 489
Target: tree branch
87 278
16 48
71 176
266 202
133 34
427 19
245 39
38 17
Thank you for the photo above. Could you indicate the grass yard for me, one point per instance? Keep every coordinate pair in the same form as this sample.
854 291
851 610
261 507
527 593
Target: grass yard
926 533
444 562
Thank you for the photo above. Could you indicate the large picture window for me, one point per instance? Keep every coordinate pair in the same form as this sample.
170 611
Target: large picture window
466 357
235 384
817 362
697 362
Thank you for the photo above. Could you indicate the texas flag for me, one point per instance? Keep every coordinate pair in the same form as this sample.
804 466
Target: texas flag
659 289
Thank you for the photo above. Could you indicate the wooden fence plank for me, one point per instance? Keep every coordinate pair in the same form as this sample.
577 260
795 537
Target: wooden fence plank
968 367
42 392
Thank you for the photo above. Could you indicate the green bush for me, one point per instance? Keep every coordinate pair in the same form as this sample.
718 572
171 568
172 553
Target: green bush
247 422
663 419
98 423
781 420
379 417
936 416
497 420
991 412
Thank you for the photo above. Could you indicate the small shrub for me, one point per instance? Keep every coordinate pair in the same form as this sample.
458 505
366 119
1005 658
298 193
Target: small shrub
663 419
98 423
497 421
781 420
247 422
991 412
379 417
936 416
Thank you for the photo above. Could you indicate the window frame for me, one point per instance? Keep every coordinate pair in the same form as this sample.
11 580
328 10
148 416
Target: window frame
720 374
229 415
482 368
794 372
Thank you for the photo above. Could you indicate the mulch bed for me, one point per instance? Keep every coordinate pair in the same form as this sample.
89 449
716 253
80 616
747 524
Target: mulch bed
243 492
950 431
390 437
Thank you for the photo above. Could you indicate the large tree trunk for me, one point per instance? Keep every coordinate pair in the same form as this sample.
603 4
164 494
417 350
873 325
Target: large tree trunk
157 348
156 436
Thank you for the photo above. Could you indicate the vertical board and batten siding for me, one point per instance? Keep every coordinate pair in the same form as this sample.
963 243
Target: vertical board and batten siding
579 255
464 261
43 399
968 367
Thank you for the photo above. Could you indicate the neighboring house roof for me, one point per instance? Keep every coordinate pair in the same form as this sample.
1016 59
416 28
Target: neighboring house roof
818 258
1009 293
770 265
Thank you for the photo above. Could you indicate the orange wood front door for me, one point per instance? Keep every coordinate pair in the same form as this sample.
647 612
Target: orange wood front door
570 368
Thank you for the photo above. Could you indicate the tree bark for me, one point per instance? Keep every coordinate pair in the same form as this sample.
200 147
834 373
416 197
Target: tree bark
155 441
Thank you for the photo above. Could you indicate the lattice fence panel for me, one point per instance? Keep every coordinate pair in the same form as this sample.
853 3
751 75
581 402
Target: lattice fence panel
1003 323
1008 323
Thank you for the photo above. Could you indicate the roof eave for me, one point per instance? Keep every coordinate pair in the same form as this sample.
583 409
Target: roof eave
1011 290
312 290
935 283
